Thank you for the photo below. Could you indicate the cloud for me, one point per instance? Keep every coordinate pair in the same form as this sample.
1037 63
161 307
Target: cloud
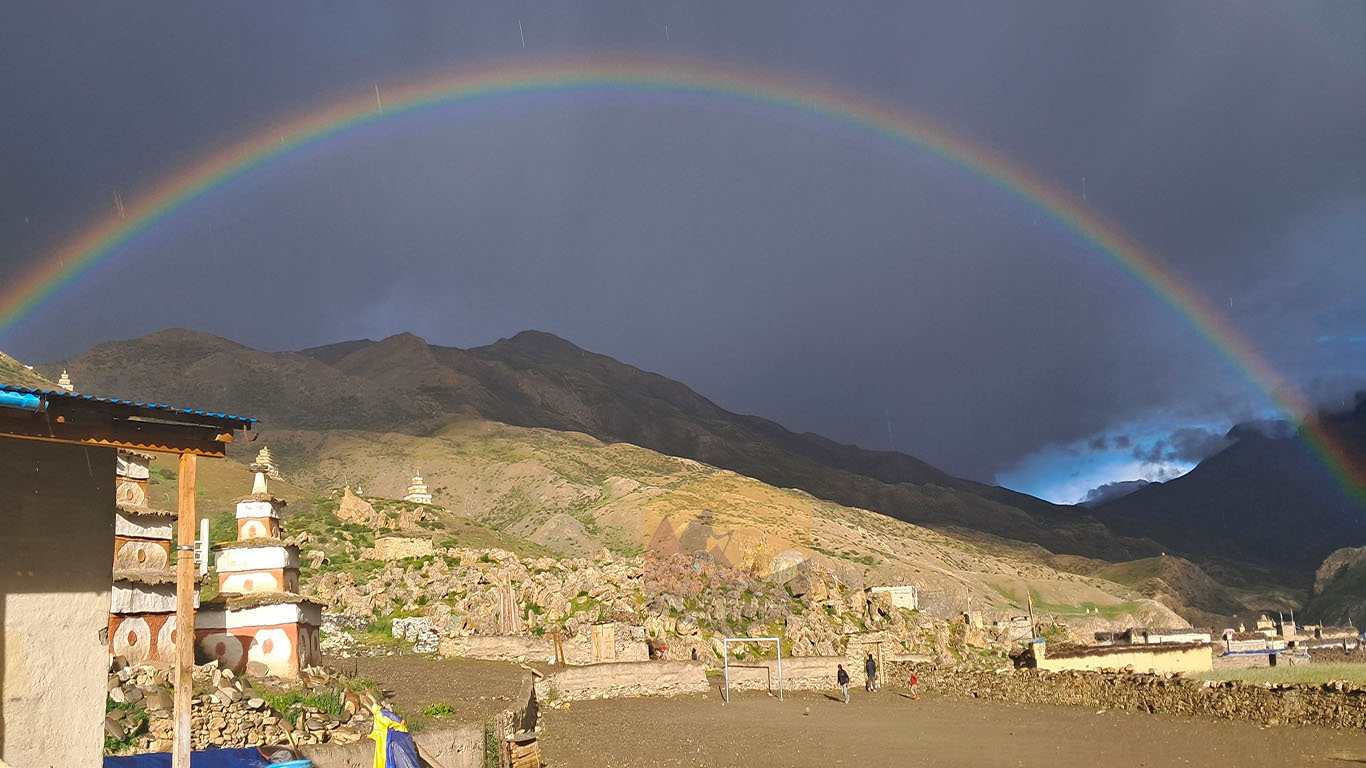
1112 490
1099 443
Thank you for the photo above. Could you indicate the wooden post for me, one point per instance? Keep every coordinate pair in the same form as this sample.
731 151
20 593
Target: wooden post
184 613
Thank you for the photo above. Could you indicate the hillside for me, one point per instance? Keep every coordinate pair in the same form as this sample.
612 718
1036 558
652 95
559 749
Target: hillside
1265 500
538 492
14 372
402 384
1340 589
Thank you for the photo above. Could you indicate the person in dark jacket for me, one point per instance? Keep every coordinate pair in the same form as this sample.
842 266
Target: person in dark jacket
870 669
842 678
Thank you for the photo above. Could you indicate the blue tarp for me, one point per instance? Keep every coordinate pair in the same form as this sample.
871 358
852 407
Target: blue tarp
249 757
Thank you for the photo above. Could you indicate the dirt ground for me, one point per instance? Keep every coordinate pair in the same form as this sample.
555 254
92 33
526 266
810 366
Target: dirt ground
874 730
476 690
887 729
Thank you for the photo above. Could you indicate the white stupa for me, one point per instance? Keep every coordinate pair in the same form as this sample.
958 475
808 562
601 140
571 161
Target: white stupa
417 491
65 382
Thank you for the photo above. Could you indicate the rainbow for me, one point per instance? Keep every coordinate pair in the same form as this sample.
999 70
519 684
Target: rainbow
74 258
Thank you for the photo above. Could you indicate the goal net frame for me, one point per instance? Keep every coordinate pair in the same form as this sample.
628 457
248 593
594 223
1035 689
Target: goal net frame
726 665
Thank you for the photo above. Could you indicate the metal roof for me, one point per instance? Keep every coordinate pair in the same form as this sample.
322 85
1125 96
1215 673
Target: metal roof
169 411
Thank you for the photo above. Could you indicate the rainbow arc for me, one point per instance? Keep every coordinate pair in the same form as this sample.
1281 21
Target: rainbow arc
105 237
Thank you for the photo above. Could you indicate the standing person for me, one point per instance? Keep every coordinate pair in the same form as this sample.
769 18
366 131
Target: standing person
842 678
870 669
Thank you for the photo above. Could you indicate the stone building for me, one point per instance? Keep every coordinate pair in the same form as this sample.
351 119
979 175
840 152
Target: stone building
259 623
58 454
901 595
1157 658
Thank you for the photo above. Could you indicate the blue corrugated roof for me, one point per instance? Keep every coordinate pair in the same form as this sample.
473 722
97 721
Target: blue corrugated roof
64 395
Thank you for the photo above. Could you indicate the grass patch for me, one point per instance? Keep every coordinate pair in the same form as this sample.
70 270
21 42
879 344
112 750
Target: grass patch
326 701
134 723
438 710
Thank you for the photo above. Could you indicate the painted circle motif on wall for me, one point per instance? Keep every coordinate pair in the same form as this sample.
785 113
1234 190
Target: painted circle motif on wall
166 640
247 583
138 555
254 529
224 647
131 494
273 648
133 640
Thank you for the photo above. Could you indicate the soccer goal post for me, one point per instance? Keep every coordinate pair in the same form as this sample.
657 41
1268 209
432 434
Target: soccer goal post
775 675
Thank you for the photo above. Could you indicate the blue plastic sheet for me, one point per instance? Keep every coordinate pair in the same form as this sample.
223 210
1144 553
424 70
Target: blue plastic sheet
249 757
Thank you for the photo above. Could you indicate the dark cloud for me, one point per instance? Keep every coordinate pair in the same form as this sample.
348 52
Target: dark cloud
1185 445
1122 442
1099 443
797 268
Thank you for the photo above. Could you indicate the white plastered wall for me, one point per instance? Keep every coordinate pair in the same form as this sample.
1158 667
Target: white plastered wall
56 530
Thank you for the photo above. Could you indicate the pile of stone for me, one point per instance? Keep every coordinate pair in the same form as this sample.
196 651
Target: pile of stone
229 711
418 631
1332 705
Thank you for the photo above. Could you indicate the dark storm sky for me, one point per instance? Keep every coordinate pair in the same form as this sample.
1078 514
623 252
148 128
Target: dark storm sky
783 265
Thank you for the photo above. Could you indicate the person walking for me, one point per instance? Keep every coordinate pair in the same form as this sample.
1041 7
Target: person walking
870 669
842 677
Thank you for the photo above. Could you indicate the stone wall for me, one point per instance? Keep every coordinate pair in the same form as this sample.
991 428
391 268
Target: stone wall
228 711
577 650
56 534
461 746
497 648
1331 705
623 679
801 673
1152 658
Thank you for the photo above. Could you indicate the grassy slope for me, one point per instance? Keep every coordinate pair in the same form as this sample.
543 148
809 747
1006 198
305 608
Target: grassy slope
14 372
570 494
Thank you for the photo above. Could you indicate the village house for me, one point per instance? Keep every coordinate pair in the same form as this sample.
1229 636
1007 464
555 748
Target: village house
1145 636
58 469
900 595
1156 658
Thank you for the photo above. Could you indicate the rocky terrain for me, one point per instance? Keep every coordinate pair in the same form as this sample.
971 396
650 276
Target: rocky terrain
1340 589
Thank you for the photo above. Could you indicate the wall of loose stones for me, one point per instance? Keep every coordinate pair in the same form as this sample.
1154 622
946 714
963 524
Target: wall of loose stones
1331 705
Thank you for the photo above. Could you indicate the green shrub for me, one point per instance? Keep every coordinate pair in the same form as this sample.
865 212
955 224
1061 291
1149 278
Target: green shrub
439 709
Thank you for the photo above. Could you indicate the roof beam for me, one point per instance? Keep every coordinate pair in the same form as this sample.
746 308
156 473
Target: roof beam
111 433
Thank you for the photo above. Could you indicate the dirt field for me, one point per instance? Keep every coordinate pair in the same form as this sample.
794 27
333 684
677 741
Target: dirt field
476 690
886 729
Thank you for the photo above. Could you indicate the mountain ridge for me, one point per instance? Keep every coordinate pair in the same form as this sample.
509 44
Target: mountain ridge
538 380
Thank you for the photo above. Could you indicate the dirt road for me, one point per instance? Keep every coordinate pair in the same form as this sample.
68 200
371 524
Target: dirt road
886 729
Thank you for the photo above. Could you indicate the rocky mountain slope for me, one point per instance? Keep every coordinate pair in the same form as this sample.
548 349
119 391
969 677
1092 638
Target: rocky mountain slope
1265 500
1340 589
402 384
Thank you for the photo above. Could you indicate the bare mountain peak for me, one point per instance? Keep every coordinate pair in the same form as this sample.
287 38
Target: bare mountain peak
538 344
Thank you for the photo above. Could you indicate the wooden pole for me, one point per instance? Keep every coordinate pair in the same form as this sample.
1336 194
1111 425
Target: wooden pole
184 613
